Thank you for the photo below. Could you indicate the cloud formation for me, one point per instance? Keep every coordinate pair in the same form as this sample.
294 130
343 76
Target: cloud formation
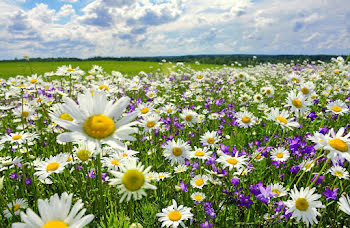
173 27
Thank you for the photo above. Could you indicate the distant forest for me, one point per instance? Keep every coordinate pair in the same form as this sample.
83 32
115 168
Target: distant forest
243 60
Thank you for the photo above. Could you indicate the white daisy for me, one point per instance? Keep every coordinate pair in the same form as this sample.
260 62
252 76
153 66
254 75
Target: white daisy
16 206
337 107
198 196
174 215
176 151
189 117
210 139
279 154
97 120
131 180
232 161
150 123
339 172
337 145
298 103
199 181
304 205
245 119
54 164
200 153
282 118
278 189
344 204
56 212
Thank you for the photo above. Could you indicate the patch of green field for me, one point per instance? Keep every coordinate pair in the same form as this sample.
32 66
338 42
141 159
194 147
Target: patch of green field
12 69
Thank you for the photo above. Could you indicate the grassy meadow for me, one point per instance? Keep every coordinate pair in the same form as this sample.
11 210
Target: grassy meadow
105 145
12 69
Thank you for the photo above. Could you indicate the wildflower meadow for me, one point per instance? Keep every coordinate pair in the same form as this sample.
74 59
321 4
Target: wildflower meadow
258 146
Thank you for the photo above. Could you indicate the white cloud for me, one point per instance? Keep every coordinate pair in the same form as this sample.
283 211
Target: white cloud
66 10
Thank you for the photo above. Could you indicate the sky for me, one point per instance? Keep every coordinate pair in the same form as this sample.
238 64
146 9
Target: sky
88 28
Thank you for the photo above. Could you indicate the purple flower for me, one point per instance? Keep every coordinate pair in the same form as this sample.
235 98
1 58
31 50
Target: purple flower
206 224
28 181
13 175
235 181
330 194
319 179
183 186
265 194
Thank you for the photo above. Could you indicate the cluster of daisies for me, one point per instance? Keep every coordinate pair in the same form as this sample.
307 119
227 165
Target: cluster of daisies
216 141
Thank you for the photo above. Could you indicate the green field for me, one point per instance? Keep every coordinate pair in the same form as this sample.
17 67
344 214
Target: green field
12 69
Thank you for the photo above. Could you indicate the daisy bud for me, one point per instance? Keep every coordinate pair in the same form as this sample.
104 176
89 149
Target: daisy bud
2 182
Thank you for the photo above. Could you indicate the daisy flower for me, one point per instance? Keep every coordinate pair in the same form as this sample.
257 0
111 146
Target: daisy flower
210 139
85 150
304 204
198 196
180 168
199 181
298 103
150 123
278 189
257 156
200 153
339 172
96 120
307 165
189 117
176 151
169 109
232 162
344 204
279 154
15 207
306 88
174 215
56 212
337 107
245 119
144 109
19 138
282 118
114 161
162 176
131 180
337 145
54 164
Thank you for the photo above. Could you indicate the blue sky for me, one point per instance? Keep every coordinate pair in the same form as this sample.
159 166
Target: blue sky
86 28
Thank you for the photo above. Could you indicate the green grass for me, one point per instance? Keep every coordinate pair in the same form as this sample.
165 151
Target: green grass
12 69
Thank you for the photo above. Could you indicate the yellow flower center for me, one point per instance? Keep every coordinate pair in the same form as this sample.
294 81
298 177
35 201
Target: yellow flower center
125 155
144 110
103 87
16 137
174 216
66 116
305 90
16 207
276 191
199 182
21 86
246 119
99 126
279 155
25 114
295 80
177 151
197 198
83 155
150 124
301 204
33 81
210 140
169 111
258 156
232 161
70 70
338 144
282 119
339 174
200 76
188 118
268 92
69 159
336 109
115 162
52 166
297 103
199 153
133 180
55 224
308 166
